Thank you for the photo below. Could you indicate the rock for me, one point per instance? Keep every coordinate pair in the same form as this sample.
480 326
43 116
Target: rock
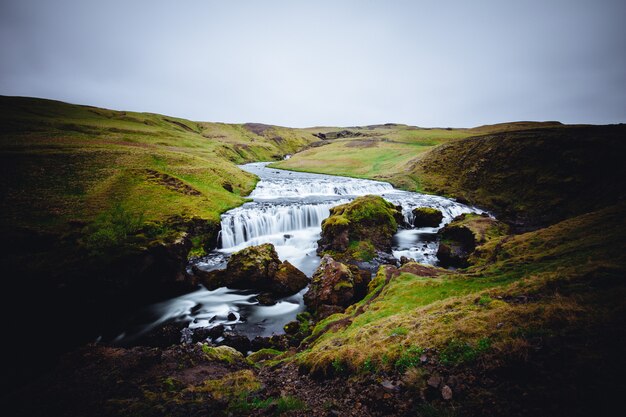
326 310
257 268
203 333
260 342
405 260
426 217
461 237
186 336
446 392
162 336
335 284
236 341
434 381
266 299
292 327
231 316
360 228
389 386
288 280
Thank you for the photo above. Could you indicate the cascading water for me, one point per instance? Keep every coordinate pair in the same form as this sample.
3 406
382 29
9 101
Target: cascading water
287 210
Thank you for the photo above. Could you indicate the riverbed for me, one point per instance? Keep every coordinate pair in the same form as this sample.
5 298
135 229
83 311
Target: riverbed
287 210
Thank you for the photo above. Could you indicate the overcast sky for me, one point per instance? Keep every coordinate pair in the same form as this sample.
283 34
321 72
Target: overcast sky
305 63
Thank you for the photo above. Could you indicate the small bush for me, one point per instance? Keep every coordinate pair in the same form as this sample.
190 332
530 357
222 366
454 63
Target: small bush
457 351
410 358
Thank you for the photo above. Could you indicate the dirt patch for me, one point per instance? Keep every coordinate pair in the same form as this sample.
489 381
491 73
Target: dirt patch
365 143
257 128
171 183
179 124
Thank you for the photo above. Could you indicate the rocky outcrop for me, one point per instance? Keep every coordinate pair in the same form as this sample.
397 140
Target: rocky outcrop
335 286
461 237
359 230
257 268
426 217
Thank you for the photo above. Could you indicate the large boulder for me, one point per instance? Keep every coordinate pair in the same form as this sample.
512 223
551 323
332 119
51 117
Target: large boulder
426 217
335 285
359 229
256 268
461 237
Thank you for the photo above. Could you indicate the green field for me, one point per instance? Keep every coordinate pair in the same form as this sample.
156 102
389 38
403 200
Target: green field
385 152
66 167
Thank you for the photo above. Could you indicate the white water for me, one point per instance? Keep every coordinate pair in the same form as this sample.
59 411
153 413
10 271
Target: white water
287 210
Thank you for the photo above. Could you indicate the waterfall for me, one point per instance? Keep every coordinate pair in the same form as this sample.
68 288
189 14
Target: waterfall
251 221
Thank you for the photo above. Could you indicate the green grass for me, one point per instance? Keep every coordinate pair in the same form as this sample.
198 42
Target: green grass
97 178
387 153
458 314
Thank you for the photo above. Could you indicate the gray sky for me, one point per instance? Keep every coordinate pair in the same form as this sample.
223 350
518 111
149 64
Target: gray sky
304 63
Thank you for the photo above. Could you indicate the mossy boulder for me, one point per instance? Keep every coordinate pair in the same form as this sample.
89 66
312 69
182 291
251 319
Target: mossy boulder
365 225
461 237
335 285
426 217
257 268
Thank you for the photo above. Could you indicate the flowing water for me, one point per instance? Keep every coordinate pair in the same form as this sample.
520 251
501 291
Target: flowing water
287 211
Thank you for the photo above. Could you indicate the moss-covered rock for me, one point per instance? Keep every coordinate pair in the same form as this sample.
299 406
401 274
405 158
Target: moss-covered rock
357 230
461 237
426 217
335 284
258 268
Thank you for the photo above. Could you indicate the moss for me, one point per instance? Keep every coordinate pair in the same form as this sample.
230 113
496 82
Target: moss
231 386
342 285
457 351
263 355
477 313
222 354
409 358
356 230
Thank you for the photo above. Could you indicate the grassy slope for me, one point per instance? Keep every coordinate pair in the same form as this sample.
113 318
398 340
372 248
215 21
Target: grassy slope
531 177
540 315
65 162
85 191
553 293
74 171
385 152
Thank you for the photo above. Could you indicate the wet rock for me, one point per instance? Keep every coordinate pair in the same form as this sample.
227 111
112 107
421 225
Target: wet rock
257 268
163 336
203 333
231 316
405 260
292 327
326 310
360 227
236 341
461 237
426 217
266 299
260 342
335 284
186 336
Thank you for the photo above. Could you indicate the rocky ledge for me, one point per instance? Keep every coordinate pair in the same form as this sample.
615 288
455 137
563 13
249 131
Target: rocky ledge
461 237
257 268
361 232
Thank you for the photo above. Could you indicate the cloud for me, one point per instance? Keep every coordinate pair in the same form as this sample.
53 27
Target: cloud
296 63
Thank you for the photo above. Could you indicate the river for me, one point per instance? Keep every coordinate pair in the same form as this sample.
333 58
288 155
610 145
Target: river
287 209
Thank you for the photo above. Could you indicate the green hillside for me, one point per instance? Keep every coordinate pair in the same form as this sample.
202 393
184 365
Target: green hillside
100 183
